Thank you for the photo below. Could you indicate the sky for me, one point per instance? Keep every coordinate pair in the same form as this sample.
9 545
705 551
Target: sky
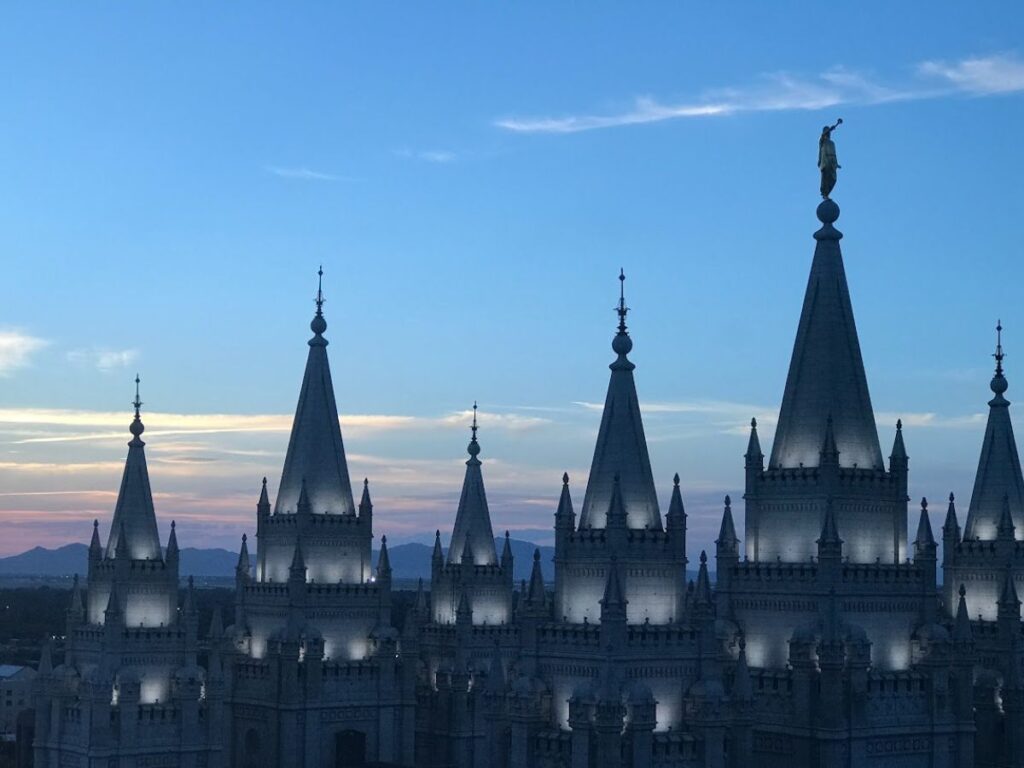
472 176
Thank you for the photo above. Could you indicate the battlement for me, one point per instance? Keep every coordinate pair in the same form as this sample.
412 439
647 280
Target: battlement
851 478
106 568
455 571
575 634
897 682
988 548
660 635
324 521
635 537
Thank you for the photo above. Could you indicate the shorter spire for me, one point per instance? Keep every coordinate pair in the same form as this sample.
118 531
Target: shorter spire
421 600
536 594
727 540
303 506
113 608
1008 600
702 594
565 515
297 571
438 554
242 567
829 450
264 502
614 599
616 517
754 455
95 548
899 450
464 612
365 504
951 528
925 541
172 543
962 632
1006 530
506 552
829 530
383 562
676 517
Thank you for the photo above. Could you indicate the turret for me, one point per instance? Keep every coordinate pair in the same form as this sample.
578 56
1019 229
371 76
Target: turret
830 546
754 457
613 609
925 560
297 570
899 464
384 563
1009 603
565 517
950 531
243 572
675 520
828 457
172 555
506 558
616 518
76 611
365 505
702 598
263 505
1005 531
437 556
95 548
536 596
727 555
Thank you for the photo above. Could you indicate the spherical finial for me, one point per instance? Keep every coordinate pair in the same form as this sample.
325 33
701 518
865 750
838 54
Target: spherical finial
999 384
828 212
565 478
473 448
319 325
622 344
137 427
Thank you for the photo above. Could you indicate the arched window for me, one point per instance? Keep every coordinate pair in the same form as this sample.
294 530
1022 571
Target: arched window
349 749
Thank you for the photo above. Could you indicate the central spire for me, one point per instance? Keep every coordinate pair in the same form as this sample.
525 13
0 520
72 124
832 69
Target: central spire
134 516
316 452
473 536
826 374
621 448
999 473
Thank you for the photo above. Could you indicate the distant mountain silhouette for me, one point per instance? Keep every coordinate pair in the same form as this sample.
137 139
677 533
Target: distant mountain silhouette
74 558
408 561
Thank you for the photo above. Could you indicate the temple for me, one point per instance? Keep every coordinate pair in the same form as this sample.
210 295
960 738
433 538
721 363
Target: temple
822 637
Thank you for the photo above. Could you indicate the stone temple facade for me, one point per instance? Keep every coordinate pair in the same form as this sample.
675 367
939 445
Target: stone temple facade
824 639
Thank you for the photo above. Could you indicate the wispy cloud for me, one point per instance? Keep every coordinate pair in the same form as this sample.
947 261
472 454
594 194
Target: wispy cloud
103 360
301 173
982 75
783 91
440 156
16 350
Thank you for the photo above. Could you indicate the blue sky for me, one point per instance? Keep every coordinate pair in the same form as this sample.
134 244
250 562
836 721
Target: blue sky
472 176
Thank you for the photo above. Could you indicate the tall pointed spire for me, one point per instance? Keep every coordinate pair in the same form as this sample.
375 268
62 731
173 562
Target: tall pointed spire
614 599
536 593
134 513
242 567
473 534
826 373
999 472
621 445
315 450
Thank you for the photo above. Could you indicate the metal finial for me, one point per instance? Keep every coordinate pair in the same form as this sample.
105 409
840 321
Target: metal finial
137 402
622 309
320 291
999 348
474 427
